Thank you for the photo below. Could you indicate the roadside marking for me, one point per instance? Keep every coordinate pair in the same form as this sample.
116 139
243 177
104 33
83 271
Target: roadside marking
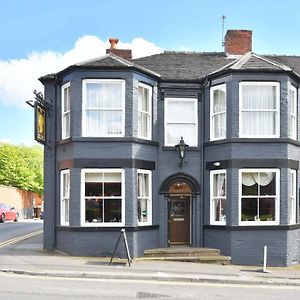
20 238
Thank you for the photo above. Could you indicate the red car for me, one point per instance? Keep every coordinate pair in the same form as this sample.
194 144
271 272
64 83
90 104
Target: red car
8 213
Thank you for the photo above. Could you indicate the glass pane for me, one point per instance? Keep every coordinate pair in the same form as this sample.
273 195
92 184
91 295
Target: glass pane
143 125
93 210
143 99
219 125
181 111
176 131
65 210
143 210
66 99
178 208
93 189
112 210
219 185
249 209
258 123
112 189
267 187
66 124
219 103
112 177
259 97
143 185
219 210
267 209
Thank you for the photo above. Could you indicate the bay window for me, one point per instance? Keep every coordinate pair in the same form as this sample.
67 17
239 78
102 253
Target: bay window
259 196
65 104
103 107
218 112
292 113
144 197
64 196
292 197
181 120
259 109
144 111
217 197
103 197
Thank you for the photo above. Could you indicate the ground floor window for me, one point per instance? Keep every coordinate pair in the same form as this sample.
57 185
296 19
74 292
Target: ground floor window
144 197
64 196
259 196
103 197
218 197
292 197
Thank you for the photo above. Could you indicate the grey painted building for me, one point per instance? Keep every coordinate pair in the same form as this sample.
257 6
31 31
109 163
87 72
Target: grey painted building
111 161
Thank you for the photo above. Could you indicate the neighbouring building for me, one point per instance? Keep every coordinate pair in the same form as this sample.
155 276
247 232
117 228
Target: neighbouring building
111 161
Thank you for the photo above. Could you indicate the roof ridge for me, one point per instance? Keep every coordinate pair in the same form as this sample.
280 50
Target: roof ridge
276 64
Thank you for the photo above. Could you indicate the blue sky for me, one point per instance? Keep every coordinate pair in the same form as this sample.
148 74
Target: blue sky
38 37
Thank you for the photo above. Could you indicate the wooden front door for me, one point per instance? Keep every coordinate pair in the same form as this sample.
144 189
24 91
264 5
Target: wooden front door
179 219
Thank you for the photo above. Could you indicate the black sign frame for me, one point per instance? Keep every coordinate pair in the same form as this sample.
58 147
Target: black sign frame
40 123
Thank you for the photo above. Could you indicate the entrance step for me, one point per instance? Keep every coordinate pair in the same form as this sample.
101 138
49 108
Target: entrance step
187 254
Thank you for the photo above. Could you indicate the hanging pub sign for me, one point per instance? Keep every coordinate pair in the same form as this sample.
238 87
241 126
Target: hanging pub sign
40 123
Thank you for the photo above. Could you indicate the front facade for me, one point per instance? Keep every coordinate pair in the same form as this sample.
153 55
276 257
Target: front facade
111 161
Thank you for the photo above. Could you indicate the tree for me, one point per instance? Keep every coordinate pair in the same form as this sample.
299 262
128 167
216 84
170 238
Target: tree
22 167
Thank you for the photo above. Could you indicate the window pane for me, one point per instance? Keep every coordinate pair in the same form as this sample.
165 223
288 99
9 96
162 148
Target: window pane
219 103
181 111
65 210
112 210
219 209
93 210
219 125
267 187
176 131
66 99
249 209
143 185
258 123
219 185
267 209
112 189
93 189
143 99
143 210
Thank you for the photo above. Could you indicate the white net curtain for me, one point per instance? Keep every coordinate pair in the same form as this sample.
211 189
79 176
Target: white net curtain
262 179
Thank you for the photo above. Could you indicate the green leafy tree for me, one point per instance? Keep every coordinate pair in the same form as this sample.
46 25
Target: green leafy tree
22 167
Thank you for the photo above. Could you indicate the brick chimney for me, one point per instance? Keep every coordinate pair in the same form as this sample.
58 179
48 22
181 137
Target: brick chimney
238 42
124 53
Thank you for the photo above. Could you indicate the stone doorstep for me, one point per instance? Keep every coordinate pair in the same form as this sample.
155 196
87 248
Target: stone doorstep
176 251
217 259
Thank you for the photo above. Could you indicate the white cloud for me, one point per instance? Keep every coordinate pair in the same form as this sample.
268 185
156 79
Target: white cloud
5 141
18 78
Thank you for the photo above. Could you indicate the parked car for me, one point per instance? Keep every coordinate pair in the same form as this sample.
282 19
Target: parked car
8 213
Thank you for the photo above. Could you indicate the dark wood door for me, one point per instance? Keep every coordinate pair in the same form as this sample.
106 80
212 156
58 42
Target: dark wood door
179 219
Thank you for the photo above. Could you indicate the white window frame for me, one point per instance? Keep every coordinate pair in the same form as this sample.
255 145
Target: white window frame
277 110
292 115
221 87
82 210
149 199
293 197
63 197
148 113
122 108
166 123
64 133
212 197
277 198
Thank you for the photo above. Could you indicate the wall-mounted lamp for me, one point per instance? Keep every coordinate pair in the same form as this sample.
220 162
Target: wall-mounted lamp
181 148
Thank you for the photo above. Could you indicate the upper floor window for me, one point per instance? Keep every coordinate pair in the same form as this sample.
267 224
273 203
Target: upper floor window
292 197
217 197
218 112
292 104
144 197
103 112
64 196
259 196
259 109
65 104
103 197
144 111
181 120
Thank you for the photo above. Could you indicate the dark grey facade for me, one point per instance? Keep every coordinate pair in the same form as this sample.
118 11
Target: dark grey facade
175 75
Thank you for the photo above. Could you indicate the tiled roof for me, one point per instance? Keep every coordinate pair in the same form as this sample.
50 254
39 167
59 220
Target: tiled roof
184 65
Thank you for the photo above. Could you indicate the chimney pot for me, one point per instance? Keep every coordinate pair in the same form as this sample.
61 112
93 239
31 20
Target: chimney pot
113 43
238 42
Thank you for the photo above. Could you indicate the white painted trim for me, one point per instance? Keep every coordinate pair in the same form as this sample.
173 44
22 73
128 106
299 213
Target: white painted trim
150 91
212 173
62 173
277 110
277 198
149 173
82 202
122 108
212 89
63 130
166 102
292 217
295 115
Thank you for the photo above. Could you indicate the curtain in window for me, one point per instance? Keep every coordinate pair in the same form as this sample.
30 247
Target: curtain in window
262 179
258 110
220 185
219 113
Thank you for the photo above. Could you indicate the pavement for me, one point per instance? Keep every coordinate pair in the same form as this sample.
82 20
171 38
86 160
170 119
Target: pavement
27 257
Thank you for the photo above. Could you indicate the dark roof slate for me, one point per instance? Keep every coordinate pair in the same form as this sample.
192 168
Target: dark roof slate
184 65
